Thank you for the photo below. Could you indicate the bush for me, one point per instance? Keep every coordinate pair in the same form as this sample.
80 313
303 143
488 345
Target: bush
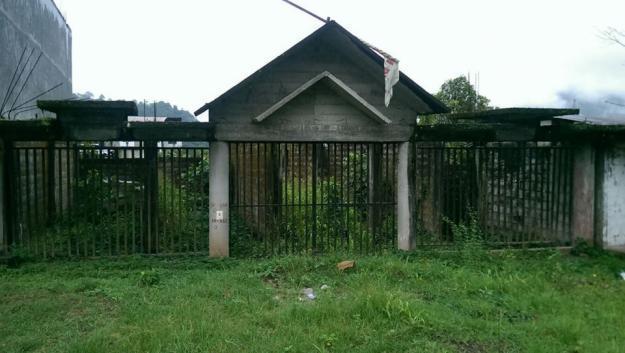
149 278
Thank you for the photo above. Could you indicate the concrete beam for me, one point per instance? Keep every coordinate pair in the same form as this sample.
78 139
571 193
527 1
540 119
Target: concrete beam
583 217
219 207
406 237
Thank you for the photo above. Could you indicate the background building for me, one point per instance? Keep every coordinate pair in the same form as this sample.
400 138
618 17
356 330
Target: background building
35 56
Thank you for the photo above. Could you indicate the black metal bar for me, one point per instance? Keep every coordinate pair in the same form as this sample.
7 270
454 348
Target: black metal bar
172 198
15 195
75 202
10 177
306 193
315 166
196 190
293 223
559 191
569 194
37 202
359 179
151 197
205 190
116 160
179 182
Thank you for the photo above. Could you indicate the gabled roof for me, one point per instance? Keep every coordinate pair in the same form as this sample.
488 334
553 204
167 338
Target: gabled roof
434 104
337 86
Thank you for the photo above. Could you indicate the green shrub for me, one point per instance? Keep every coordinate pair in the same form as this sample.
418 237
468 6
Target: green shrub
149 278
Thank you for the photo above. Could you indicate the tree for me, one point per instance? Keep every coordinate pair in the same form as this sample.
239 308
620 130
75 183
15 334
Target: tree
461 97
614 35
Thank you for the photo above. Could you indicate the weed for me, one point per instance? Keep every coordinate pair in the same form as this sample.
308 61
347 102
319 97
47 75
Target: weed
149 278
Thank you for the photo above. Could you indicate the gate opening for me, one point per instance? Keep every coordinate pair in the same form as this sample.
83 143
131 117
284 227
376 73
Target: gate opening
291 198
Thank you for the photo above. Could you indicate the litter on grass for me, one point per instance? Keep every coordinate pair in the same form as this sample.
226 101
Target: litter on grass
308 294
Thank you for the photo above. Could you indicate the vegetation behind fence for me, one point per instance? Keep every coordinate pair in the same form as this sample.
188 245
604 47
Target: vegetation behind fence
109 199
102 199
518 193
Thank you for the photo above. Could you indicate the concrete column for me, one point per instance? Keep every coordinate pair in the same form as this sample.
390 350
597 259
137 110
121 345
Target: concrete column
406 237
583 217
610 209
219 200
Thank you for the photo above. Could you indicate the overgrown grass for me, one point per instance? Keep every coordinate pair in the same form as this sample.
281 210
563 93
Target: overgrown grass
465 301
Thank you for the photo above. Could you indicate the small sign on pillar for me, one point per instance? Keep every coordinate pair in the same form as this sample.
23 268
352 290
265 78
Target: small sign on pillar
219 200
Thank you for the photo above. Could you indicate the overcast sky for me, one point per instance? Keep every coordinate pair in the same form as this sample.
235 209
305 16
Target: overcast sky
188 52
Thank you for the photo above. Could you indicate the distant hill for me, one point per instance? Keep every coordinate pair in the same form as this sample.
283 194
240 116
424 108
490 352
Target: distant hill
147 109
164 109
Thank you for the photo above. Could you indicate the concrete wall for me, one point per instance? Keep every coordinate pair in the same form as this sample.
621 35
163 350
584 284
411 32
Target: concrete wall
613 205
34 24
318 114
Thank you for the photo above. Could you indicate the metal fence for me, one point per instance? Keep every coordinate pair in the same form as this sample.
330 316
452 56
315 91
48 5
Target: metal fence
514 193
313 197
119 198
107 199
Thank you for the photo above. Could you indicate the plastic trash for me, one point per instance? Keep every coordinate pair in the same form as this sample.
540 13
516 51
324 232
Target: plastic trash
309 294
623 275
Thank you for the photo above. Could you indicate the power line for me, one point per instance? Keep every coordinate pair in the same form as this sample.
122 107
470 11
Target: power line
307 11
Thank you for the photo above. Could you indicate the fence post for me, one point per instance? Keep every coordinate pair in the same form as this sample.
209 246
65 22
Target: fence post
406 237
219 203
583 216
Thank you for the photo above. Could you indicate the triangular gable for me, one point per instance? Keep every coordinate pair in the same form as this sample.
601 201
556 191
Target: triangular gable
433 104
337 86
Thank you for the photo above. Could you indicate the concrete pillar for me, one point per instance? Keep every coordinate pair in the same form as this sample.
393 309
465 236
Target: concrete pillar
610 209
583 217
219 207
406 237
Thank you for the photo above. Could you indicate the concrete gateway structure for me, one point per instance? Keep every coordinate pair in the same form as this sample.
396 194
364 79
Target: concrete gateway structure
328 88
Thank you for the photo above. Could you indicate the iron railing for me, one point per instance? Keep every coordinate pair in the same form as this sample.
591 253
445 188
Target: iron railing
513 193
103 199
313 197
108 199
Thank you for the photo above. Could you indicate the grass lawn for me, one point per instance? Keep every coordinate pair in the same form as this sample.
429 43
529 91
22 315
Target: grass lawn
469 301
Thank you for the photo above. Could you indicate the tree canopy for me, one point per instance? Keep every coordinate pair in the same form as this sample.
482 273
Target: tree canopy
461 97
